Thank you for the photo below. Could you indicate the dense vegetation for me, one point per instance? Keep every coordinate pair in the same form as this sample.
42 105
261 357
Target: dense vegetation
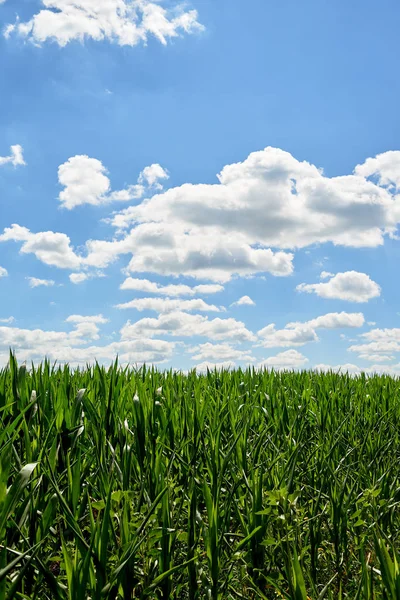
123 484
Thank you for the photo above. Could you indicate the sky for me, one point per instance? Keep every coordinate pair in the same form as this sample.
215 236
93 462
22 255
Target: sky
200 184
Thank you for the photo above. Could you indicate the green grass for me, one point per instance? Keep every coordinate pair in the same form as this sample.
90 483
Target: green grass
120 484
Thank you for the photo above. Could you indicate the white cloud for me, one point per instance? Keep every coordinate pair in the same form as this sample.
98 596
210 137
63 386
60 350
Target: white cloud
393 370
381 347
298 334
51 248
270 200
351 286
202 255
163 249
72 347
35 282
168 305
8 320
78 277
290 359
182 324
3 272
345 368
76 346
273 200
150 287
88 319
212 366
385 167
216 231
378 342
152 175
126 22
219 352
85 181
326 275
376 357
355 370
41 342
334 321
378 335
244 301
208 288
15 158
139 352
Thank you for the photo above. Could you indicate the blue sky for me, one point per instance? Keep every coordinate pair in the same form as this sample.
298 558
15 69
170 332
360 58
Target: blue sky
116 118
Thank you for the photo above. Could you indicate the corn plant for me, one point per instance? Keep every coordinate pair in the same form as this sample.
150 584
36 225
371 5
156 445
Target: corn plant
120 483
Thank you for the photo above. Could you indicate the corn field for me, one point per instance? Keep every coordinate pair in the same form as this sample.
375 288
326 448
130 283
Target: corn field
121 483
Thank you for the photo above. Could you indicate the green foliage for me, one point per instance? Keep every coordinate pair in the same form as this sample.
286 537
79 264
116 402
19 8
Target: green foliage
119 484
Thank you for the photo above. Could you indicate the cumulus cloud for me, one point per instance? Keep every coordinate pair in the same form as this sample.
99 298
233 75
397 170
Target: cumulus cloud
393 370
355 370
78 277
378 342
208 288
290 359
8 320
168 251
85 181
51 248
298 334
180 324
126 22
168 305
34 345
387 346
212 366
326 275
274 200
35 282
84 330
243 225
244 301
150 287
3 272
382 335
152 175
376 358
201 255
345 368
89 319
270 200
334 321
15 158
76 346
385 167
220 352
351 286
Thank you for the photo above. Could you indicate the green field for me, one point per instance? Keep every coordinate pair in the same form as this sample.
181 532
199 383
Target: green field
119 483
